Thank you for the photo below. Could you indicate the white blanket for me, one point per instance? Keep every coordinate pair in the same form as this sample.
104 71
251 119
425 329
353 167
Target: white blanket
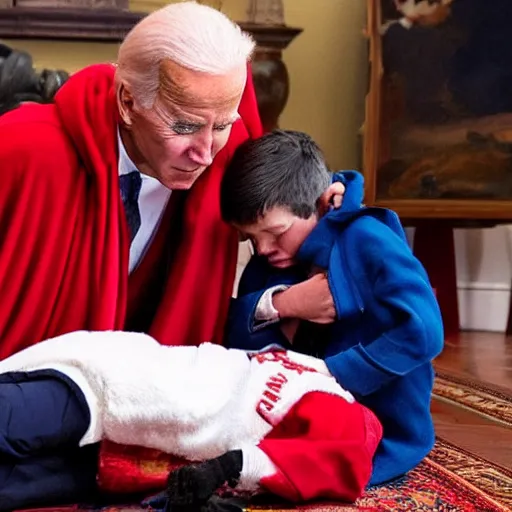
193 402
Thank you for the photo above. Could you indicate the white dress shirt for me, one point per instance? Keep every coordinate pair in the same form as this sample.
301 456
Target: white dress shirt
153 199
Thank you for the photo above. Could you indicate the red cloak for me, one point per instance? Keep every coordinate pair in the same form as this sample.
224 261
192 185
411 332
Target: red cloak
64 243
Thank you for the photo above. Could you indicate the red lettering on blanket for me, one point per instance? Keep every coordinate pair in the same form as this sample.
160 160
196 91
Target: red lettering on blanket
263 407
276 382
286 362
271 395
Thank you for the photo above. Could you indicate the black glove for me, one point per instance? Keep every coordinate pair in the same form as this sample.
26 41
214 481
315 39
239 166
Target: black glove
197 482
191 488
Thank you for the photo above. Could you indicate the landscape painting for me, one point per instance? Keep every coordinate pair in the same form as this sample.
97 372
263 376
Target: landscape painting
446 100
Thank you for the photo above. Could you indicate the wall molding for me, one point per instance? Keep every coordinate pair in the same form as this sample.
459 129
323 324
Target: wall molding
482 285
483 306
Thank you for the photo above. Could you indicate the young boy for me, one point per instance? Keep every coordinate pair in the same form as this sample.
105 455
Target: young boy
344 287
253 421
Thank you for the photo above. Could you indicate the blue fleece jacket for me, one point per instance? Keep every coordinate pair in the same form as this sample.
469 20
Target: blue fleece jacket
388 327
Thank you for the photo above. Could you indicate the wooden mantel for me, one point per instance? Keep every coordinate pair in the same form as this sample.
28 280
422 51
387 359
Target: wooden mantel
104 25
72 24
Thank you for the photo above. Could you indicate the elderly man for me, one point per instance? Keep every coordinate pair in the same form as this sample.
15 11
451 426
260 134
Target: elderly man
110 196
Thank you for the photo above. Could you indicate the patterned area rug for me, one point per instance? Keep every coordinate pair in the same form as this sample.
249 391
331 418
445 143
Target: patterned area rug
449 480
493 403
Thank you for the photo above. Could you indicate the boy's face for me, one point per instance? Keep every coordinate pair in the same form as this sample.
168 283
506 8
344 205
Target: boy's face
278 235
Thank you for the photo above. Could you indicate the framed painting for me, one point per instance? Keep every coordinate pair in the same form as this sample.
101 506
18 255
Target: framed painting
438 126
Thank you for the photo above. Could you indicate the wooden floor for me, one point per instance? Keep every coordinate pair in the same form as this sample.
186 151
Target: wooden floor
486 357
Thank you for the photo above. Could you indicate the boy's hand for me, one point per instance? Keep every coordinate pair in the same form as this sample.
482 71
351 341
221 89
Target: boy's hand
333 196
310 300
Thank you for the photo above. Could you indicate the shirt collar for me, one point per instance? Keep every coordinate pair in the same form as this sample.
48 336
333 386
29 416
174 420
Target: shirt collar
125 163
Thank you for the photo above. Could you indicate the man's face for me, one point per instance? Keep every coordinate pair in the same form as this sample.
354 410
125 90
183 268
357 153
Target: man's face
278 235
189 123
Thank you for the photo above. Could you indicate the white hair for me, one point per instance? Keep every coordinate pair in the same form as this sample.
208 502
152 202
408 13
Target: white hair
192 35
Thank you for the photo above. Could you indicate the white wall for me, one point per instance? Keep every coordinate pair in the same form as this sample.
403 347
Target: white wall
484 272
484 263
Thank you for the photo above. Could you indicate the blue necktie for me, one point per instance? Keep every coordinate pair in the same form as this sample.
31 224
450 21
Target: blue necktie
130 185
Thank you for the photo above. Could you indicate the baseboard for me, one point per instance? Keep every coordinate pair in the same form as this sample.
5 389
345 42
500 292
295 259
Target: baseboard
483 306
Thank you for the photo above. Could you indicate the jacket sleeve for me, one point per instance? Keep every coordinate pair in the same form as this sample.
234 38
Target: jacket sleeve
242 330
400 284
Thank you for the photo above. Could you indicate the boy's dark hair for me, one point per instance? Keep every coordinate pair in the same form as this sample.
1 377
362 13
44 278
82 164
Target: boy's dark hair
280 169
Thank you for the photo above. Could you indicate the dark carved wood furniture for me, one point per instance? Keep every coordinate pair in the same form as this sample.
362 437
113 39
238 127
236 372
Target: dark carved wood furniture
270 75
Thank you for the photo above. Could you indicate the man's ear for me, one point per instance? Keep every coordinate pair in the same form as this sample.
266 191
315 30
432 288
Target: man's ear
125 103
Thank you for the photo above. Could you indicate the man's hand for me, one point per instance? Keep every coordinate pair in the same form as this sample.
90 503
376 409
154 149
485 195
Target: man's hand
333 196
310 300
